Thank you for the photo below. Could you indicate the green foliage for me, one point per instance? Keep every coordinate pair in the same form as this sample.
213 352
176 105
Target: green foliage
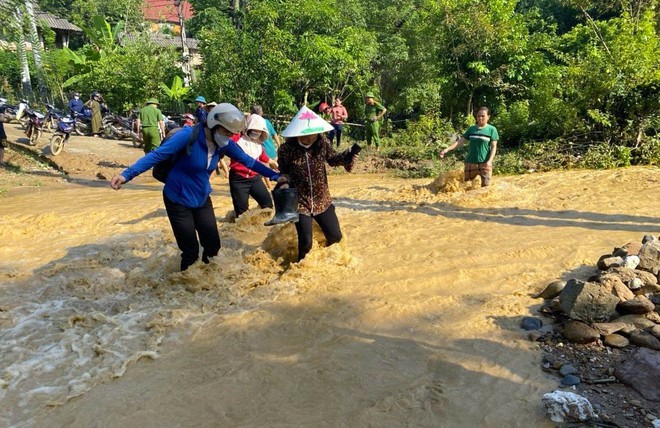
421 140
648 153
177 91
605 156
10 72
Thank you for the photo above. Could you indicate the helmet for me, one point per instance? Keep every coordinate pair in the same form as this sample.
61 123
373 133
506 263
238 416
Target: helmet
227 116
323 107
200 99
189 116
94 94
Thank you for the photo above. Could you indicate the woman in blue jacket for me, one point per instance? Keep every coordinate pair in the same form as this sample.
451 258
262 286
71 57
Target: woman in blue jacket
187 188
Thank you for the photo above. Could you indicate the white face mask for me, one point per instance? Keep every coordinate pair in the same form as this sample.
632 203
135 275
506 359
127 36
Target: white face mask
76 97
254 135
220 139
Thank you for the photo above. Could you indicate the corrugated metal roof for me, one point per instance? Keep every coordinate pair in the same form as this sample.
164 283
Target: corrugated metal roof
54 22
166 11
165 41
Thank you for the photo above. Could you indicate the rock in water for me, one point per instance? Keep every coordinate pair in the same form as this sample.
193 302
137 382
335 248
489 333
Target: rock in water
552 290
564 406
531 323
578 332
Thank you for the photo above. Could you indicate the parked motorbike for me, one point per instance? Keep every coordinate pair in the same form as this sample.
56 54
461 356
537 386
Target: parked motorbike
22 116
61 135
52 117
82 124
15 112
119 127
34 127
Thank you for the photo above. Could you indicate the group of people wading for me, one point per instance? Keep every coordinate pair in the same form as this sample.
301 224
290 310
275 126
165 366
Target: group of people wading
299 168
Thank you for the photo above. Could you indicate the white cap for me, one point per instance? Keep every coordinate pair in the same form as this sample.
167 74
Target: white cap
306 122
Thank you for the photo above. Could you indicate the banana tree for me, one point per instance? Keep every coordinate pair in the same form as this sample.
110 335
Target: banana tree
177 91
105 40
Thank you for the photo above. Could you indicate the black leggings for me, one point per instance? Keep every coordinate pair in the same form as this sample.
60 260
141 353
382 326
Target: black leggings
187 223
329 225
242 188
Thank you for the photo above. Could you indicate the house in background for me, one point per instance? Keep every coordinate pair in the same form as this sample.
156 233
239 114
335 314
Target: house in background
63 29
164 15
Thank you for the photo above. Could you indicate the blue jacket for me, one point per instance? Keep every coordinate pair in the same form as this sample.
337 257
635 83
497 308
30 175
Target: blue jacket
188 181
200 114
76 105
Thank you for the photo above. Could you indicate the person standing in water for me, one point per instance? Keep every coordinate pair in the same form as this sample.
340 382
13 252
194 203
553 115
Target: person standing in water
244 182
483 139
187 189
302 160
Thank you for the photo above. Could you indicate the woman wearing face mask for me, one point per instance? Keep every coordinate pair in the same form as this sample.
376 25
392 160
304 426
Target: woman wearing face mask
244 182
302 160
187 189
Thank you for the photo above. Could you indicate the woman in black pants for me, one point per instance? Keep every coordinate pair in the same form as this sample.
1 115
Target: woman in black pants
243 181
302 160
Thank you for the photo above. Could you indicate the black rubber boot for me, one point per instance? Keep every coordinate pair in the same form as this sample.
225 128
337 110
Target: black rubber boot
286 206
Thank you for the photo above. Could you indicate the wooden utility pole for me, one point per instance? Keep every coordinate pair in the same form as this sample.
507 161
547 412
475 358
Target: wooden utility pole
186 66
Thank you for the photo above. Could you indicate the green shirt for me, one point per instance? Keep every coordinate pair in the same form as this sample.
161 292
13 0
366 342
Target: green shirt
373 110
150 116
480 140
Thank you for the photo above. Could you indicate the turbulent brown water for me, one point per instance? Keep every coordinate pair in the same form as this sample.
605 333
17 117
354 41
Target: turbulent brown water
411 321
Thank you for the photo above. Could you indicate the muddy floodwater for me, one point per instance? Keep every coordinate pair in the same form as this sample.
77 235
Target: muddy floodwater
411 321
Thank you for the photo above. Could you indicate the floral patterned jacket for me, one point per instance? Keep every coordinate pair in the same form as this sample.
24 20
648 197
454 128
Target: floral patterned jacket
305 169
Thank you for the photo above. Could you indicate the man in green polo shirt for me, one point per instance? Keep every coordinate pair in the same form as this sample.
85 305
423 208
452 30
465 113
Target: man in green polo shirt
483 140
373 112
151 120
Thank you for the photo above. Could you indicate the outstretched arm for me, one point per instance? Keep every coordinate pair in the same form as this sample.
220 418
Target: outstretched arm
456 144
235 152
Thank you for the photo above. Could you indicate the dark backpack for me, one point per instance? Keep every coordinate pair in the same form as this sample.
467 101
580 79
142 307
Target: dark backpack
162 169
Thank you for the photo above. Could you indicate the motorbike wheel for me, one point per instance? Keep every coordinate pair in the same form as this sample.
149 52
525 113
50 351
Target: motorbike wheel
56 144
50 125
23 122
34 136
107 133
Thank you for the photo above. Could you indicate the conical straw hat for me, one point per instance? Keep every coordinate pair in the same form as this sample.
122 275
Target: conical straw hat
306 122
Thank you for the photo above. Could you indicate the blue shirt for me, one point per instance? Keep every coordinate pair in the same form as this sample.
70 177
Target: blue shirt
76 105
200 114
188 181
269 144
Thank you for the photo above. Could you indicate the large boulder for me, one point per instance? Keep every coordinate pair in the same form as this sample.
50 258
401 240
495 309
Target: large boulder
649 257
587 301
617 287
645 340
630 249
639 321
637 305
607 328
642 372
626 274
579 332
565 406
608 261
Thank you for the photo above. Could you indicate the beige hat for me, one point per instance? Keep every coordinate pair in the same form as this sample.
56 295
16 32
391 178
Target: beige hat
256 122
306 122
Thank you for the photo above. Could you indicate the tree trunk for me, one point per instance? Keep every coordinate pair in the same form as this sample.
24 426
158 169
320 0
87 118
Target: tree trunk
36 49
17 30
186 65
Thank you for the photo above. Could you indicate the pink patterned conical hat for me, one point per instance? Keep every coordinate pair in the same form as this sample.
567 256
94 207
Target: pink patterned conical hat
306 122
